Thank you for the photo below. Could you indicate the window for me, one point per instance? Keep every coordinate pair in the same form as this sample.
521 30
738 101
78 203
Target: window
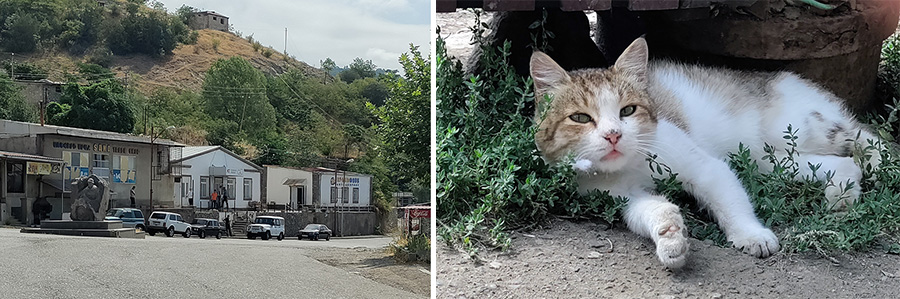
345 194
77 164
334 195
100 165
204 187
172 217
128 215
229 188
214 18
123 169
355 195
222 21
138 214
15 177
248 189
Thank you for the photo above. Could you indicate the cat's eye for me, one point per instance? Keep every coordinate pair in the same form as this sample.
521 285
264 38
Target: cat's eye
580 118
627 110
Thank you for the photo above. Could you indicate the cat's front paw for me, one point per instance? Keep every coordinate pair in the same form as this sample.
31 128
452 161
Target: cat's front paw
758 242
672 247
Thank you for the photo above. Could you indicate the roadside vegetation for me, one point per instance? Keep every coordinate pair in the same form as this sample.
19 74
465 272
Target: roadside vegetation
491 178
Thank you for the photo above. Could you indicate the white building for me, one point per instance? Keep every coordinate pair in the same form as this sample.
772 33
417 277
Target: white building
317 187
207 168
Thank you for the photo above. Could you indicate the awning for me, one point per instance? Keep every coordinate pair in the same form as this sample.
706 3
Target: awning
27 157
295 182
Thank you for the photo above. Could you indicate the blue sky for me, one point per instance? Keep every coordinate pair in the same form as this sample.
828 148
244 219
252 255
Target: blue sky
377 30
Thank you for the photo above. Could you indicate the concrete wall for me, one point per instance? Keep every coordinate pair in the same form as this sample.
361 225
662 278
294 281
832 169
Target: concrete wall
34 92
341 223
277 192
207 21
197 167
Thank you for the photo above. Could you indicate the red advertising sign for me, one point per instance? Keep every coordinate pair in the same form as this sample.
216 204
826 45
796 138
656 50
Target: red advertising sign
423 213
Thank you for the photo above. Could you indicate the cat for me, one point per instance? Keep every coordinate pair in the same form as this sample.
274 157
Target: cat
690 117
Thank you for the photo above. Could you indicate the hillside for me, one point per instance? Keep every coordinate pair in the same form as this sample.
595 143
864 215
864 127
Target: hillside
184 68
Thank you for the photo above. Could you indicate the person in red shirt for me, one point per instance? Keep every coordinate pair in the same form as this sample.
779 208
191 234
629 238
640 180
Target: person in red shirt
213 198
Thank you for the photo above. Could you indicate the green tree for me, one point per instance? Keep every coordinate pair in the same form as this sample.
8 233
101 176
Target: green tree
327 66
12 104
235 91
349 75
354 135
153 33
374 90
22 33
406 120
365 68
101 106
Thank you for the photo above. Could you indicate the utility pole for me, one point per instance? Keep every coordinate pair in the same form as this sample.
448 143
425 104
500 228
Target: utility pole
285 41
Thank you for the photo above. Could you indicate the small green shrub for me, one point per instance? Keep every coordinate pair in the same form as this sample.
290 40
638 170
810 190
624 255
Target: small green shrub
256 46
267 52
406 247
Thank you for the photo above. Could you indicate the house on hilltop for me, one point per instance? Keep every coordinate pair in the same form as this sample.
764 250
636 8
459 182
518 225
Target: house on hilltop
209 20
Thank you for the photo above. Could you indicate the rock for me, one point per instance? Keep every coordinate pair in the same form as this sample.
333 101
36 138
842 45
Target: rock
491 286
715 296
495 265
791 13
594 255
82 211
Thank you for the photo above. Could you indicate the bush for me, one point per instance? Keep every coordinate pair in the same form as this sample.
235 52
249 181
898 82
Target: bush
411 248
267 52
24 70
22 33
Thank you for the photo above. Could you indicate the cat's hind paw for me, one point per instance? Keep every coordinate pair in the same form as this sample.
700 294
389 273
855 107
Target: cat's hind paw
760 242
672 247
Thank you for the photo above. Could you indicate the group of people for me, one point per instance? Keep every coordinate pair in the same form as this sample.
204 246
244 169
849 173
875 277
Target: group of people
218 198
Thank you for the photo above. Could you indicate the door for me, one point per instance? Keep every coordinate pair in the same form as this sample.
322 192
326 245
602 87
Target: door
301 197
218 183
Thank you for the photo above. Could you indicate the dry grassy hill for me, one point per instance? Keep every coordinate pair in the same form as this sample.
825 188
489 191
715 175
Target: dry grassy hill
187 65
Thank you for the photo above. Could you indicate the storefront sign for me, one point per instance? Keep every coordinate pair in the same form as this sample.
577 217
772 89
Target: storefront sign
345 181
38 168
234 172
420 213
96 147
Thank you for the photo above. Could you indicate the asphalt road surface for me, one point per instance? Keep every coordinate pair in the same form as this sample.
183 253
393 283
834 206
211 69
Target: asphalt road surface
50 266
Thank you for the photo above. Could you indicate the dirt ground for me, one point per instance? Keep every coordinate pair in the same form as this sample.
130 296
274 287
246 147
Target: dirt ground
580 260
377 265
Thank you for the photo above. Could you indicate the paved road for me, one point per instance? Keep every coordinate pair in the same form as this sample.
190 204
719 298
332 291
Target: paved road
49 266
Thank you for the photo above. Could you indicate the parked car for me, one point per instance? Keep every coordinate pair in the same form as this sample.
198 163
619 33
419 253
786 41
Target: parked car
265 227
167 222
131 218
207 227
314 232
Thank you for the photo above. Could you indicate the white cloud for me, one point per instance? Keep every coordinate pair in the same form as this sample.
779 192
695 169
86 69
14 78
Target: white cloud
340 30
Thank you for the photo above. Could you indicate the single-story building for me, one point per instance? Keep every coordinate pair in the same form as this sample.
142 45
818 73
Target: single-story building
60 154
208 168
209 20
299 188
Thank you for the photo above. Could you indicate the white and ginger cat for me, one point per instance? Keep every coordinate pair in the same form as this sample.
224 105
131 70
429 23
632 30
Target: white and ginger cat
690 116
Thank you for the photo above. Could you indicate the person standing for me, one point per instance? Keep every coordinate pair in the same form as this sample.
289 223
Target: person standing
225 197
227 226
132 196
212 200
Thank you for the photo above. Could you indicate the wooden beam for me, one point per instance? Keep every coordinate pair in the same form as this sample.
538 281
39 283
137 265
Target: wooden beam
508 5
694 3
445 5
576 5
652 4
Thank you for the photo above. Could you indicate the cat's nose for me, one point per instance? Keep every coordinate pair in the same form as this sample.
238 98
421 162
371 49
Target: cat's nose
612 137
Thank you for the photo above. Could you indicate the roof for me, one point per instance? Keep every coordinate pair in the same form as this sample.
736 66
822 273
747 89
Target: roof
189 152
213 13
27 157
330 170
10 128
417 207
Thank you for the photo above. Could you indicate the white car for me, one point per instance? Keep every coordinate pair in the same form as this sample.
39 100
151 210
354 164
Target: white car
266 227
167 222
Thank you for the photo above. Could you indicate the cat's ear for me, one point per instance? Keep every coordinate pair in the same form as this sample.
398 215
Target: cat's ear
633 61
546 73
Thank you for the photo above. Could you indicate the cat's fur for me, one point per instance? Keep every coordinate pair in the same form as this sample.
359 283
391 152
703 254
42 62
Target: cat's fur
691 117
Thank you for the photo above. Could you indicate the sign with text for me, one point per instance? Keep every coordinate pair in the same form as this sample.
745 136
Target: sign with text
38 168
97 147
419 213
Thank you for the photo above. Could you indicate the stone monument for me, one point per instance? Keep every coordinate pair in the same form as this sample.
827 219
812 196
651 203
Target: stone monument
91 196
